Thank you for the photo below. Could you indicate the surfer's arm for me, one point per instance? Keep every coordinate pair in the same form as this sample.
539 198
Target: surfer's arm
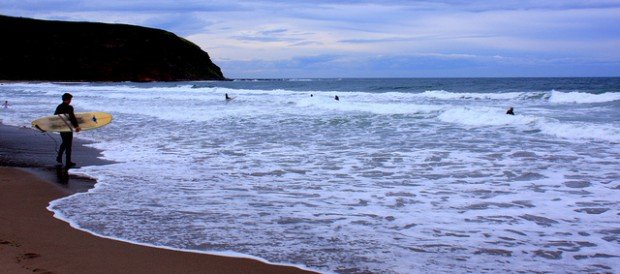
73 120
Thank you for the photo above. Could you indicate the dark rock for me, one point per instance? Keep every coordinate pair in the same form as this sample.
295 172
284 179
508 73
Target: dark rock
80 51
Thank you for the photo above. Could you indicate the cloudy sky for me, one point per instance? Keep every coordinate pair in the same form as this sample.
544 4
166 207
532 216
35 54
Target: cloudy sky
389 38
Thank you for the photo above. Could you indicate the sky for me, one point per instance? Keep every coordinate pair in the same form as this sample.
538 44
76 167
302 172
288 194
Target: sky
389 38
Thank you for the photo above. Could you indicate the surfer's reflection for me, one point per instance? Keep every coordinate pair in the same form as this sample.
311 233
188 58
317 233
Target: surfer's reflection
62 174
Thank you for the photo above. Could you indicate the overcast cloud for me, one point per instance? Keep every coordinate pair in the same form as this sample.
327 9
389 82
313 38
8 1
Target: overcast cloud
279 38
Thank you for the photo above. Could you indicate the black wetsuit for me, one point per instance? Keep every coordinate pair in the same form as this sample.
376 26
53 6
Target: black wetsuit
67 137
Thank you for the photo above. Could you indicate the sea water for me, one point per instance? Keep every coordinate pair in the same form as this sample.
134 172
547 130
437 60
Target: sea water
398 176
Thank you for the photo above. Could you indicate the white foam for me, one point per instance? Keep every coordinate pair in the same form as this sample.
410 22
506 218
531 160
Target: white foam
353 104
483 116
232 254
581 131
487 116
558 97
347 184
445 95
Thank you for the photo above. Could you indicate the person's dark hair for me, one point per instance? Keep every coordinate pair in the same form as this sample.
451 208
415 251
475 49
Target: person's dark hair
66 96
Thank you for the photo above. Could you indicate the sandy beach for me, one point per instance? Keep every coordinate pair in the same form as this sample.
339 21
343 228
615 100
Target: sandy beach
32 240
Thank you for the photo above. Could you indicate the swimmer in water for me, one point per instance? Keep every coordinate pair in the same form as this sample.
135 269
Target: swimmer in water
510 111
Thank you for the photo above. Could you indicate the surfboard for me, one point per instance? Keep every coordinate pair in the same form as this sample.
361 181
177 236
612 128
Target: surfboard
61 123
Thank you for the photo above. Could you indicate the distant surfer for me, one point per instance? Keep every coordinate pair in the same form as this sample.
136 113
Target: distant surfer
67 137
6 104
336 98
227 97
510 111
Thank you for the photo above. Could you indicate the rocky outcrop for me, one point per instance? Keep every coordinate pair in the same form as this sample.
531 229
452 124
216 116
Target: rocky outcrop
80 51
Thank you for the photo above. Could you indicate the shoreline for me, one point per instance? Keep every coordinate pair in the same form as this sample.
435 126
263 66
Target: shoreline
35 151
33 240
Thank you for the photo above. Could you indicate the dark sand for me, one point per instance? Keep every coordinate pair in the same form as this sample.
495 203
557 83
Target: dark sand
36 152
33 241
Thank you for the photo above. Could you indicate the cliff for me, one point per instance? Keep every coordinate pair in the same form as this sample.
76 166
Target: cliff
81 51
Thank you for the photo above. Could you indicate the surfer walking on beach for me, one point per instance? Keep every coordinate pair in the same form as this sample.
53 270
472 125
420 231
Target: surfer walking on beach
67 137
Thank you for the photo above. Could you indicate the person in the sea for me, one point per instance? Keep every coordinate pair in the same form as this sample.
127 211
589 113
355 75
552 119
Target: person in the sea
510 111
6 104
227 98
67 137
336 98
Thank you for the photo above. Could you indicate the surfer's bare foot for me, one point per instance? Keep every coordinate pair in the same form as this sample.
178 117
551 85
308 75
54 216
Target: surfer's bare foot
72 164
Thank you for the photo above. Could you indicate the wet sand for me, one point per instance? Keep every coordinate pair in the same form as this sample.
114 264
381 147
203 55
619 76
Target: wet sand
33 241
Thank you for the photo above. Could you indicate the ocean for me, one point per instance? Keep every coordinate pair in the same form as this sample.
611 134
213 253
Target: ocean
397 176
